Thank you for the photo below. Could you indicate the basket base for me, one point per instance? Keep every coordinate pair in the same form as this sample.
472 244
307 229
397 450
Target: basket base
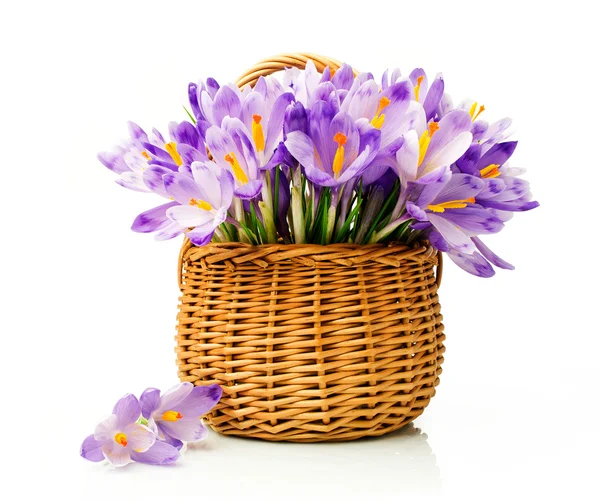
334 432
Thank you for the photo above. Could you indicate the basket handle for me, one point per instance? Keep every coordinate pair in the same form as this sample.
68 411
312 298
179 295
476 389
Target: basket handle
289 59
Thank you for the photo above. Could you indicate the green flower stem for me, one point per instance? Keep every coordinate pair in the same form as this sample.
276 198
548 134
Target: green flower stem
266 208
387 230
267 215
330 222
297 216
240 217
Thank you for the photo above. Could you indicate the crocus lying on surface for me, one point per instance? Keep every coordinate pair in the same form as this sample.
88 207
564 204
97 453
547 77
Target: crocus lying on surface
150 431
176 415
329 157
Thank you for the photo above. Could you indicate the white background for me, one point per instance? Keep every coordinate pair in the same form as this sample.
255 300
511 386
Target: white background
88 307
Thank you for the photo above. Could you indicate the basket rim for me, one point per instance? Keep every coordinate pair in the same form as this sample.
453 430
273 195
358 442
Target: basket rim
346 254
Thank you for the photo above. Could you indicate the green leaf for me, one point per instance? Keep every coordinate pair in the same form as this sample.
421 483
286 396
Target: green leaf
192 118
384 215
249 233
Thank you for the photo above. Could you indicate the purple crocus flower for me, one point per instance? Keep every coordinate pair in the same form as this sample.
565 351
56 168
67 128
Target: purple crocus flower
120 439
447 201
130 160
233 150
156 220
176 415
440 144
302 83
334 151
203 200
385 110
428 96
265 122
503 191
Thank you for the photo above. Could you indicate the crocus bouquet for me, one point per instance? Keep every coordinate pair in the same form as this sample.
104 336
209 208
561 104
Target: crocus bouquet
329 157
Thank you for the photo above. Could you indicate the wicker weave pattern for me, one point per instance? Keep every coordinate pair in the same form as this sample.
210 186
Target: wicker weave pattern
310 342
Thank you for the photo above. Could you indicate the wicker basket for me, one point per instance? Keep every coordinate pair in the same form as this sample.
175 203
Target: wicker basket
311 343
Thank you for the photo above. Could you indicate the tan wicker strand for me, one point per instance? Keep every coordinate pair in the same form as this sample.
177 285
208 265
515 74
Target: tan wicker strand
310 343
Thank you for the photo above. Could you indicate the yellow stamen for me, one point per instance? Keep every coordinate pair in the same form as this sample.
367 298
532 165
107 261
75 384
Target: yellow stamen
171 416
379 117
425 139
338 160
257 133
203 205
121 438
418 87
172 150
490 171
481 109
472 111
238 172
450 205
146 155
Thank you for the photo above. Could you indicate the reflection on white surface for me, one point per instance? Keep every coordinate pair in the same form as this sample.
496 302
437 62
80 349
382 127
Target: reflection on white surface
225 468
398 463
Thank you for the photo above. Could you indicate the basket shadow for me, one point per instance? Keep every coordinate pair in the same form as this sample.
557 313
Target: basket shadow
400 461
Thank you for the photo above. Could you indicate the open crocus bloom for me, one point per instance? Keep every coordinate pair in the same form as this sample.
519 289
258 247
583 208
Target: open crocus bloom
385 110
130 160
120 439
203 200
264 121
232 150
177 414
448 202
440 144
428 96
334 151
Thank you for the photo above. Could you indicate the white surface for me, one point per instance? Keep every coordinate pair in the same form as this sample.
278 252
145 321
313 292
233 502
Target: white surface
88 308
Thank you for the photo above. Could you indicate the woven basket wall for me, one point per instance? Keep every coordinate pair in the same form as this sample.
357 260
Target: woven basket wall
310 343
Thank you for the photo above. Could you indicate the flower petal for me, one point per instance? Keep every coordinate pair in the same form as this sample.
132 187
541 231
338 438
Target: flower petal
181 188
186 430
114 162
407 158
127 410
434 95
139 437
491 256
498 154
153 219
205 176
250 190
175 395
161 453
455 237
169 232
115 454
91 449
474 264
460 187
201 400
447 154
149 401
474 220
302 148
189 216
106 429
